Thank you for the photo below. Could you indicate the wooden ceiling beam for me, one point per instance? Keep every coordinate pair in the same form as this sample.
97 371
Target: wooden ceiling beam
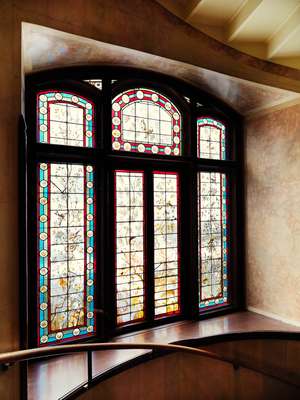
191 8
242 18
287 31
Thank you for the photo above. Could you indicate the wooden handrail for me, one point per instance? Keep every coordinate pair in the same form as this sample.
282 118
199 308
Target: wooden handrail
49 351
9 358
30 354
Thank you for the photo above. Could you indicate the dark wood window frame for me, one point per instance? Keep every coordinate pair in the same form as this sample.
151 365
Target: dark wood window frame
192 103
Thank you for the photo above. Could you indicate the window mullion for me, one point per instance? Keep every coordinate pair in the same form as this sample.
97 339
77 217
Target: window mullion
101 226
193 129
106 120
149 239
189 240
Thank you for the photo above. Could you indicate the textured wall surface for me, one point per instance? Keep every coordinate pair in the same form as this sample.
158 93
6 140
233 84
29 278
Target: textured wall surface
67 49
138 24
273 213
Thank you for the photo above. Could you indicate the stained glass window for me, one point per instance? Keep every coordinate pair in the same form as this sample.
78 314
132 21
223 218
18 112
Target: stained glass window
166 260
65 119
211 139
129 219
145 121
66 247
213 238
142 197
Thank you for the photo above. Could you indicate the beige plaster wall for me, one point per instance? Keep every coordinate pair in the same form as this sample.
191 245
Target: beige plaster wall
138 24
273 213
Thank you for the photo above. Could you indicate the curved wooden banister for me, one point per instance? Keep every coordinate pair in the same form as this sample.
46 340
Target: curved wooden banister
188 346
6 359
30 354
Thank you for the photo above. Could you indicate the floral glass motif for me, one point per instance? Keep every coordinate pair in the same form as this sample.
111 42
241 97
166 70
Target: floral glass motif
166 259
129 245
65 119
95 82
211 139
145 121
66 259
213 239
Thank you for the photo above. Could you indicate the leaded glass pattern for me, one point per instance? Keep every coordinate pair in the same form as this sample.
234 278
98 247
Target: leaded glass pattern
211 139
95 82
166 255
129 245
66 252
212 238
65 119
145 121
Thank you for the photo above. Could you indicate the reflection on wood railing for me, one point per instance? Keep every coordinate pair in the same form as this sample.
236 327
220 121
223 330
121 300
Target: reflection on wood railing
31 354
9 358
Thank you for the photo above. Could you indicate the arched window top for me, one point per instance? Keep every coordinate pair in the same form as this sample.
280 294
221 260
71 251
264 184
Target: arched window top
211 138
146 121
65 118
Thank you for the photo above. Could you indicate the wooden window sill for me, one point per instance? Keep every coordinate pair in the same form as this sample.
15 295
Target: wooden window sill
52 379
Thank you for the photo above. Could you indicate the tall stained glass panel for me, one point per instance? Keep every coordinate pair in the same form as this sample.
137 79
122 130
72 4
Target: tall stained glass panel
66 251
65 119
145 121
211 139
129 246
166 255
213 238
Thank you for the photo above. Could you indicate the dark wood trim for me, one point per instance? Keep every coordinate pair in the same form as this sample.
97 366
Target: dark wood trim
149 250
23 273
22 209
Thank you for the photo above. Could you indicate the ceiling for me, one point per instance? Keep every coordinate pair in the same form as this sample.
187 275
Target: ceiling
267 29
45 48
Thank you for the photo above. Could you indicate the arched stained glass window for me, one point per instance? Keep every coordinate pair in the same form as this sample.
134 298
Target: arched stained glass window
117 240
145 121
66 251
65 118
211 135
